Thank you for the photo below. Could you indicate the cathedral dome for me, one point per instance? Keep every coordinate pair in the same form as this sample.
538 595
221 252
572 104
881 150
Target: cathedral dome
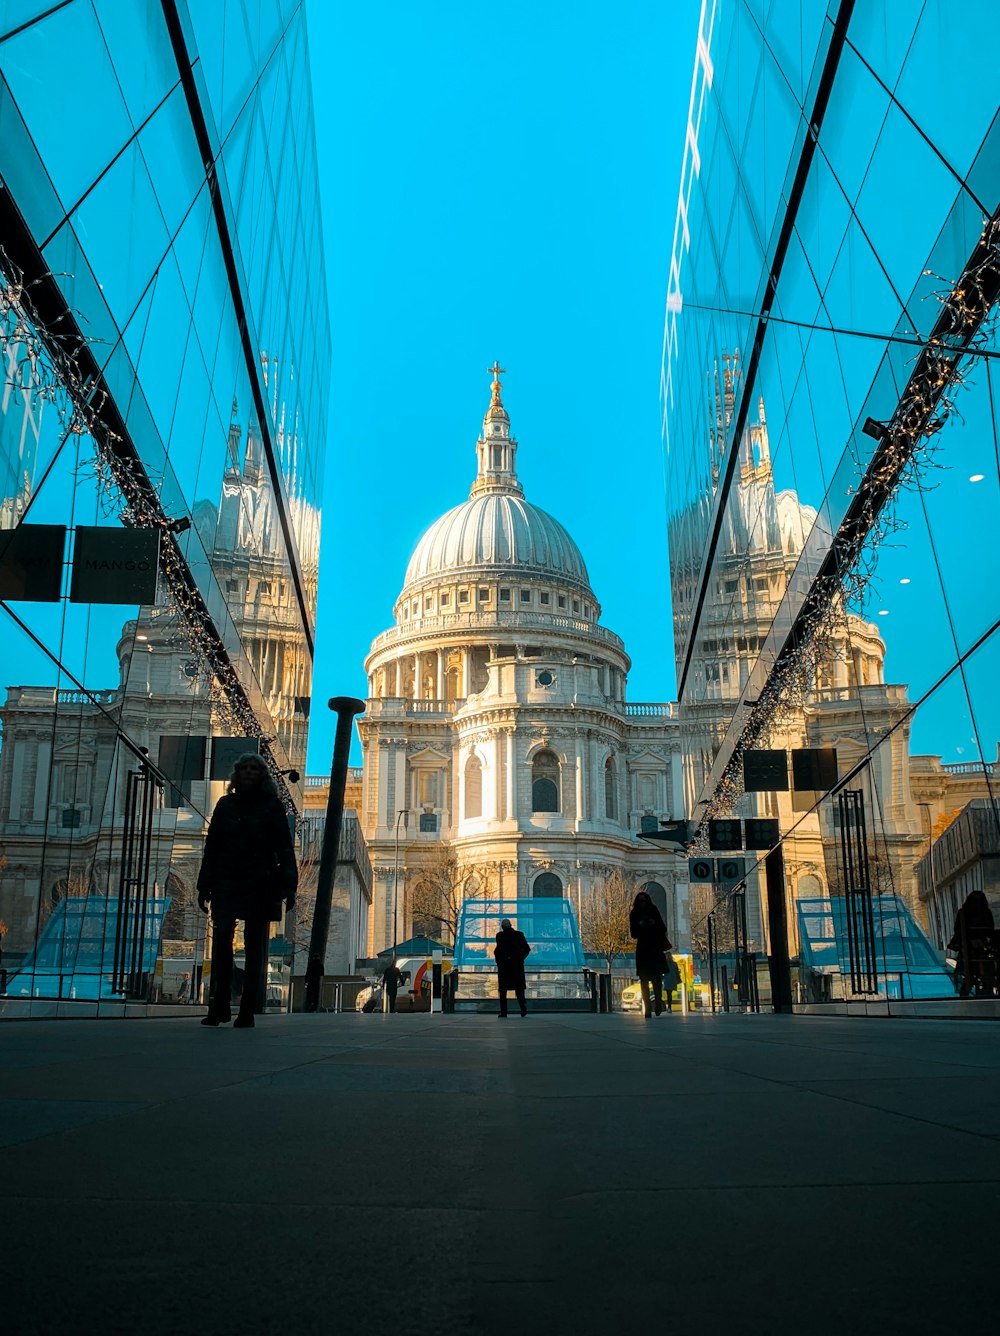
501 532
497 531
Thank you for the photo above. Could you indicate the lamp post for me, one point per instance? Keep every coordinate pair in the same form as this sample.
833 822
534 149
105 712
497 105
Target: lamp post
403 812
345 708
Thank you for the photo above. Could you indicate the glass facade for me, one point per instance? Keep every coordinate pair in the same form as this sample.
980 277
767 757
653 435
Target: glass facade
830 400
166 346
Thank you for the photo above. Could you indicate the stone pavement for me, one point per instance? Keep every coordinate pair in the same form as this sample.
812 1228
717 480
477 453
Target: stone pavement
457 1174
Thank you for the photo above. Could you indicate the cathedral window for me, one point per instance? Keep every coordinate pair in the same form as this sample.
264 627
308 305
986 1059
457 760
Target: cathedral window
473 787
610 790
525 595
484 596
445 600
576 605
545 782
562 600
545 597
504 595
463 596
547 886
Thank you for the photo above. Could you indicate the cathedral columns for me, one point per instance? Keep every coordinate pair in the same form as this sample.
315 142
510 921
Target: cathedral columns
511 786
465 674
398 670
440 674
580 809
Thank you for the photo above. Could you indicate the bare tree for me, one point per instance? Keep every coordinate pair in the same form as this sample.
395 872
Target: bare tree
438 887
604 926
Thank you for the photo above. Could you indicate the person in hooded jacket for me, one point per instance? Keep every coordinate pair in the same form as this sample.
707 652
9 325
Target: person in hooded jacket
646 925
972 942
247 871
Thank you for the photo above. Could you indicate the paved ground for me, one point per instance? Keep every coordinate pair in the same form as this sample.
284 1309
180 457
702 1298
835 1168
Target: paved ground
457 1174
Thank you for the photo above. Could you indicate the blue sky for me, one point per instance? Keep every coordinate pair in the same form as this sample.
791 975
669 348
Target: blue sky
497 182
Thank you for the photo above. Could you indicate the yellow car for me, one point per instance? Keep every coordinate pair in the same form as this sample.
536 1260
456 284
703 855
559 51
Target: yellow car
631 998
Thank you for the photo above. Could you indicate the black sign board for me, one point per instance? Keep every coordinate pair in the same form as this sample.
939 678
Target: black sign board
182 760
701 869
732 869
31 563
814 768
765 771
725 836
670 832
760 832
226 752
115 565
647 824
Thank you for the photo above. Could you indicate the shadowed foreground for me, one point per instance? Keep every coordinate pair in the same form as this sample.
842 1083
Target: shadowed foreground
456 1174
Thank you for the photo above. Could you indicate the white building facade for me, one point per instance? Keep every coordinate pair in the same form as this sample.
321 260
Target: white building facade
498 737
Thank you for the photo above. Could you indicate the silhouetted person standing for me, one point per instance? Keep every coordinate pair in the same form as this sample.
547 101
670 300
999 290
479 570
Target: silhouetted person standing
645 923
510 953
391 980
248 869
972 942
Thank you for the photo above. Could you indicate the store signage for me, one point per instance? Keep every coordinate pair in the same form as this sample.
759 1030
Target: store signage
115 565
726 835
760 832
31 563
226 752
732 869
701 869
765 771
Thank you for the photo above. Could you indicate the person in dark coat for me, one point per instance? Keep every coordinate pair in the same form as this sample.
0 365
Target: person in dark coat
972 942
391 980
510 953
247 870
645 923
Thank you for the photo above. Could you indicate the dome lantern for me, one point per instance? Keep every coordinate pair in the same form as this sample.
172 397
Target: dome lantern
496 449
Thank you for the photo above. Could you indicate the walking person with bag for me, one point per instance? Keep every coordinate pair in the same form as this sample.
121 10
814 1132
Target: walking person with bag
651 946
247 871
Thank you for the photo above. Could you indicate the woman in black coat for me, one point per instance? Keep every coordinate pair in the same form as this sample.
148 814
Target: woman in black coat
646 925
247 870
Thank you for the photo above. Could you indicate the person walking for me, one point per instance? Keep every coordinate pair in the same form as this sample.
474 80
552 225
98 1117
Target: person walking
510 953
645 923
247 870
972 941
391 980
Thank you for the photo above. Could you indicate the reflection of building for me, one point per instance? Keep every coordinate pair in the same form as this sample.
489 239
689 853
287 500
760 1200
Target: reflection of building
498 720
139 290
845 700
783 249
962 858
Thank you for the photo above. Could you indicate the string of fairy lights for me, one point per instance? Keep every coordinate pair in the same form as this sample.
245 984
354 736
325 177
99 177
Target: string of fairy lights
41 363
907 449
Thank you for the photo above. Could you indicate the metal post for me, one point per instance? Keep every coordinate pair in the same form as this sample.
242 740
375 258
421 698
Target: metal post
777 925
345 707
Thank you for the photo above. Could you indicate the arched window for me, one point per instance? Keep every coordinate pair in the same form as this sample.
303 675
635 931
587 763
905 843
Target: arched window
545 782
658 895
473 787
547 885
610 790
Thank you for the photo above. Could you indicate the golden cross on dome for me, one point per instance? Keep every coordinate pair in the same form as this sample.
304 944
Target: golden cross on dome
497 371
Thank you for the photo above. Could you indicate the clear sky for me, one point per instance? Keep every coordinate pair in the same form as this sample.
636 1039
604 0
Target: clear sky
498 181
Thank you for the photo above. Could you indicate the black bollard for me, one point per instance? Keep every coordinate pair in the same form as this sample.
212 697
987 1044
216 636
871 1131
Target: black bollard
346 708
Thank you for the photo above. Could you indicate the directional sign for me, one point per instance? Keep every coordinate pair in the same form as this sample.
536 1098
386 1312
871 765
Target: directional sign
732 869
701 869
765 771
